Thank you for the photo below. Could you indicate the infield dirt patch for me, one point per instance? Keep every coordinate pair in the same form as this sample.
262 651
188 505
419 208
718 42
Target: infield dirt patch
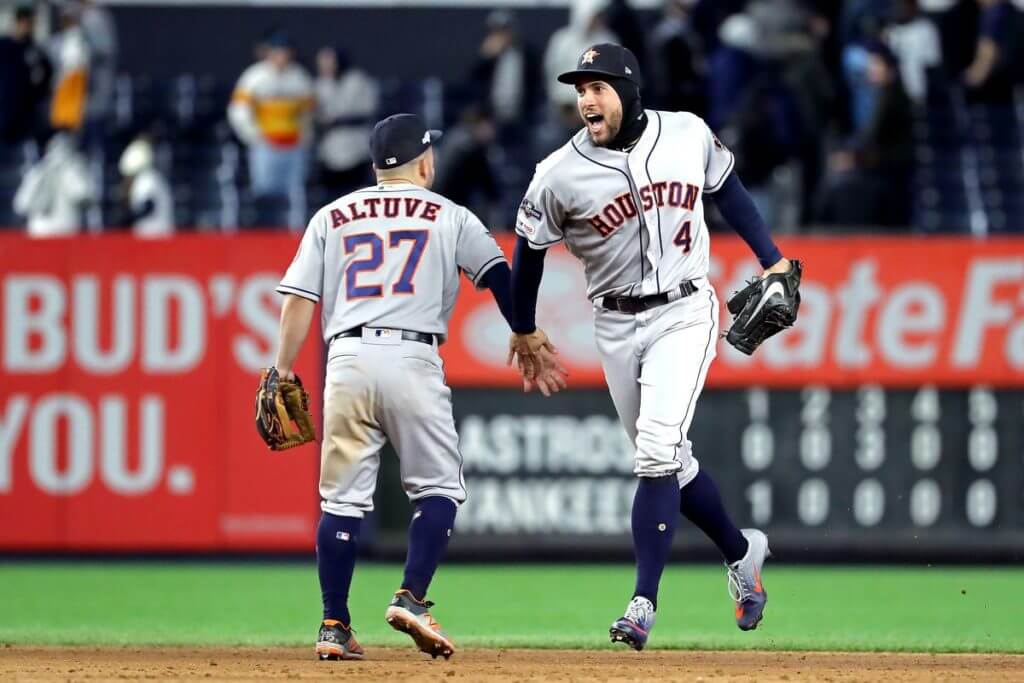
168 663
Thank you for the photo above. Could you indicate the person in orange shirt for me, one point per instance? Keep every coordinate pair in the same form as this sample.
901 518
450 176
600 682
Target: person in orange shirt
270 112
71 55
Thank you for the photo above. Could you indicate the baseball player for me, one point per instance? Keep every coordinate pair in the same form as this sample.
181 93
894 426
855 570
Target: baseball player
624 194
384 261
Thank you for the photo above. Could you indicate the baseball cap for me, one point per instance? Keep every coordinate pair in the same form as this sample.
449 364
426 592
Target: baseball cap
605 59
400 138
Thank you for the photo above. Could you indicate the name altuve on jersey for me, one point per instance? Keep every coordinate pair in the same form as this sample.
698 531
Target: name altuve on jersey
662 193
384 207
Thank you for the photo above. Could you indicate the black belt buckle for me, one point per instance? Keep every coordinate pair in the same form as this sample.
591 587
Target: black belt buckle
408 335
627 304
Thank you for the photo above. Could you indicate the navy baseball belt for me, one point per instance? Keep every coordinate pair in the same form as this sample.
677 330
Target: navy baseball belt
407 335
638 304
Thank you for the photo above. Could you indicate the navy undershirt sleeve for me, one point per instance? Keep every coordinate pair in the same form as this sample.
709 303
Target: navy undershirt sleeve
738 209
498 279
527 270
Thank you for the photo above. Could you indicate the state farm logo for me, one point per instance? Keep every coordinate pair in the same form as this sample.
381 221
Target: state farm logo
563 311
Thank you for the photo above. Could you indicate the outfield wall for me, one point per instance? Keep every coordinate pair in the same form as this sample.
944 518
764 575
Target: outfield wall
888 423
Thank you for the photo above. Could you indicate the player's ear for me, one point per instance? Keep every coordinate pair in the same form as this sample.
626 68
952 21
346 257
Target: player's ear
427 163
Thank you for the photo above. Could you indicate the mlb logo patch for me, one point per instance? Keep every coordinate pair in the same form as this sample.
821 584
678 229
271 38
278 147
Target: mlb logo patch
530 210
342 536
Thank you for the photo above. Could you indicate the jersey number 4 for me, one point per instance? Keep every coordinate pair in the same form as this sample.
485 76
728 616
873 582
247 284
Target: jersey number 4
682 238
375 258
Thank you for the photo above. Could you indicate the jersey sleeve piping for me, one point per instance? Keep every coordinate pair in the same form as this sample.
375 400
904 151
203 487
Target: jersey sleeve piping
298 291
540 245
721 181
486 267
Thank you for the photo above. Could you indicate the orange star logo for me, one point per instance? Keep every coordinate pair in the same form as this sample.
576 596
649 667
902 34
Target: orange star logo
588 57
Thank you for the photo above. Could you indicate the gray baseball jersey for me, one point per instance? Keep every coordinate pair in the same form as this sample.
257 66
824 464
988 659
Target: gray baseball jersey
588 196
387 259
389 256
636 221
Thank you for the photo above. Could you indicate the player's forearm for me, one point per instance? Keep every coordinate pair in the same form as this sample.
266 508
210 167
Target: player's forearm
499 280
296 315
738 209
527 271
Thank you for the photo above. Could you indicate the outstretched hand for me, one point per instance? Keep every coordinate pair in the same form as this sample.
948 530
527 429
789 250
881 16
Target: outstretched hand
536 358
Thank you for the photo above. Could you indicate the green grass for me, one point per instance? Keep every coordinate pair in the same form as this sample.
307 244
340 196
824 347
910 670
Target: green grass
813 608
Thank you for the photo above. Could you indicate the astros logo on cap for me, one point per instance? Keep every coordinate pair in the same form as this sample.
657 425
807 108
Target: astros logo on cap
588 56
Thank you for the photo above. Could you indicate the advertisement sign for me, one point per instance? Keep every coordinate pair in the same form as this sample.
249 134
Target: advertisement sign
871 473
890 311
128 371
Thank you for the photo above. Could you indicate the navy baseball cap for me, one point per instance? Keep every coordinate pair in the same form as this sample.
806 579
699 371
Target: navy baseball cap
399 139
606 59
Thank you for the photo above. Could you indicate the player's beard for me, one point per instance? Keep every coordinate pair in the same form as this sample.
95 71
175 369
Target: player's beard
611 125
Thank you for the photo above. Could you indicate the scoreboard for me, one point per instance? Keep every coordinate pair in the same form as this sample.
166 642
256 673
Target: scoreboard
865 473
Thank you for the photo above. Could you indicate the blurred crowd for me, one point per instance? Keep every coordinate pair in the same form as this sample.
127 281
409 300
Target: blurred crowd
837 112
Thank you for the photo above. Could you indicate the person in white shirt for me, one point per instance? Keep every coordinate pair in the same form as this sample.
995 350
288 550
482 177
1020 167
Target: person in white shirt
56 190
914 40
150 203
346 102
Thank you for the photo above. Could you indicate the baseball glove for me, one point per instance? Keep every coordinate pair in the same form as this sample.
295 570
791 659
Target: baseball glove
764 308
279 403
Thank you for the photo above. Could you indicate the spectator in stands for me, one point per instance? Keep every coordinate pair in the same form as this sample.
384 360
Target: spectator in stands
587 26
869 183
952 19
56 191
347 99
994 71
500 70
464 170
270 112
24 79
624 22
914 40
101 35
150 203
72 59
676 61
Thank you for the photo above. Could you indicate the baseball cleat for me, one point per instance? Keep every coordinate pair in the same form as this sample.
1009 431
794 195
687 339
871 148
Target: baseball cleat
745 581
409 615
635 625
335 641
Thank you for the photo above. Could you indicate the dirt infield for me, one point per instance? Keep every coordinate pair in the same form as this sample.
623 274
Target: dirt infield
37 663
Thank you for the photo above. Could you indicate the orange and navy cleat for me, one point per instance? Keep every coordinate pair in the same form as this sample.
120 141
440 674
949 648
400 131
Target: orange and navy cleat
409 615
635 625
335 641
745 585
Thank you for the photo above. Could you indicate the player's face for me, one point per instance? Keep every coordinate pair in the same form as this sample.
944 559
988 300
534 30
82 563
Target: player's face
601 110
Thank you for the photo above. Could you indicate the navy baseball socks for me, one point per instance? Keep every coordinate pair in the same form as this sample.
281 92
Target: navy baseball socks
336 546
654 520
744 551
409 612
700 502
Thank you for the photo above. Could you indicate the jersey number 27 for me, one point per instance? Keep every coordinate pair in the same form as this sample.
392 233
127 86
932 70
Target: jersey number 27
374 244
